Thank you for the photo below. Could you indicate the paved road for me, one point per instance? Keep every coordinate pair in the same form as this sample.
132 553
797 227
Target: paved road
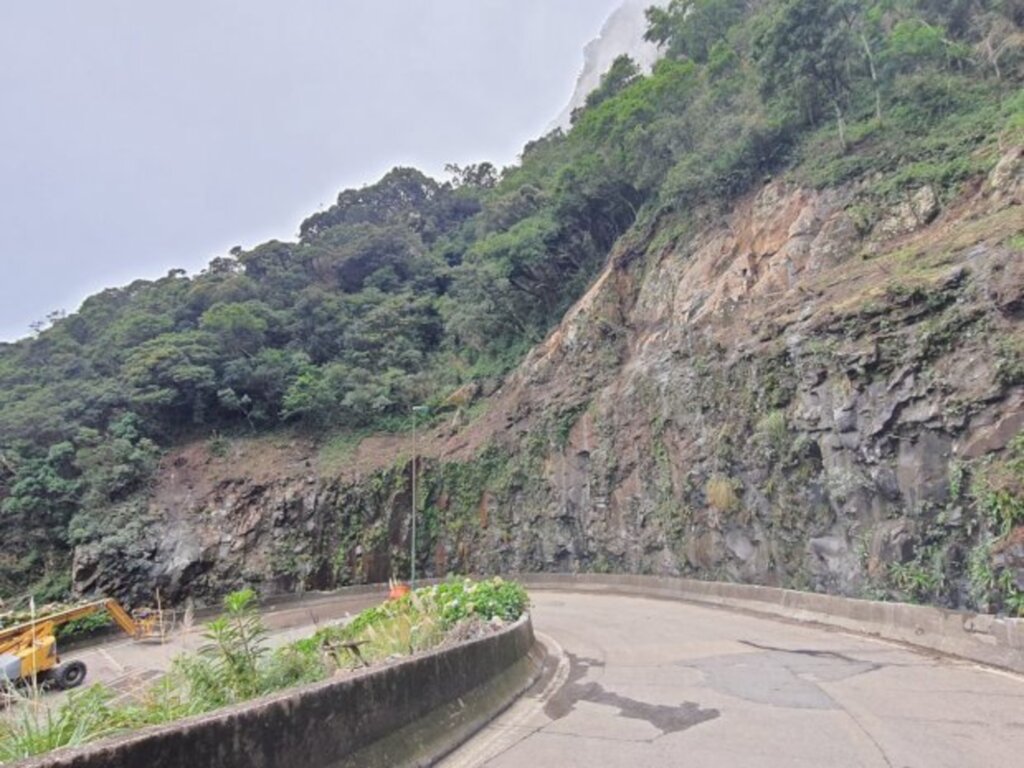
656 683
126 665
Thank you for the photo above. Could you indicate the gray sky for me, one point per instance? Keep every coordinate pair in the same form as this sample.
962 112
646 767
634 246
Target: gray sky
141 135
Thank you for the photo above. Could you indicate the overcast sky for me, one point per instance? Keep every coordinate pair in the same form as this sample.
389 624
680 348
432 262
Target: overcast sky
141 135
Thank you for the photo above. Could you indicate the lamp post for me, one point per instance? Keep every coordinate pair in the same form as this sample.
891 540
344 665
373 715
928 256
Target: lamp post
416 409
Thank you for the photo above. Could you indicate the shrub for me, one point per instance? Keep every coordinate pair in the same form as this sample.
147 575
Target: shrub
84 626
421 619
914 579
230 666
774 433
34 728
999 489
721 493
496 598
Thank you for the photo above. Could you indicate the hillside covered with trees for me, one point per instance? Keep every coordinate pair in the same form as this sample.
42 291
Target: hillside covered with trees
405 290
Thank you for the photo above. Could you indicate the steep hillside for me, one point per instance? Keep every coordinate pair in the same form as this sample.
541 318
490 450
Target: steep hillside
777 397
756 316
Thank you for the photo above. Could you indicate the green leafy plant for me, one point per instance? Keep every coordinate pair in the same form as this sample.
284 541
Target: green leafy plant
34 728
421 619
999 489
218 445
980 576
495 598
84 627
237 645
916 579
773 432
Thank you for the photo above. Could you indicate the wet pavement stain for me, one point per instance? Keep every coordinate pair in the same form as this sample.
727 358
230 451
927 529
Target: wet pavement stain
667 719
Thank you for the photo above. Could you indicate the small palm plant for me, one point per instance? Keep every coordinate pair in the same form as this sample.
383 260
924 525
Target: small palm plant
231 661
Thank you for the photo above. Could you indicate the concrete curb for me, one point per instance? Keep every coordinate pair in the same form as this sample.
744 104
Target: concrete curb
982 638
427 740
329 723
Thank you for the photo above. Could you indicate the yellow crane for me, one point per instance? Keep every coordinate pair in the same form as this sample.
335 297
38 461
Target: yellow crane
28 651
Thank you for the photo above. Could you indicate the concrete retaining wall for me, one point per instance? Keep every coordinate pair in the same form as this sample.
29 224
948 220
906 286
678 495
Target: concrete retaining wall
319 725
982 638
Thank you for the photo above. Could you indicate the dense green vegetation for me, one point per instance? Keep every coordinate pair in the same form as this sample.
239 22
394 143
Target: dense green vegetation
404 289
237 664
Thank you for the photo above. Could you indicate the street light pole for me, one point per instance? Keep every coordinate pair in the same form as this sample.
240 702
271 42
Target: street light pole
416 409
412 549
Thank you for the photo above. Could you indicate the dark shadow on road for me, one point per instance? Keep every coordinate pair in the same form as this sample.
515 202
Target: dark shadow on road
667 719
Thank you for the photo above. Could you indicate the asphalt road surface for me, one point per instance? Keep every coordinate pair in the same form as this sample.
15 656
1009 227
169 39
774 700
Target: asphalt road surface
638 683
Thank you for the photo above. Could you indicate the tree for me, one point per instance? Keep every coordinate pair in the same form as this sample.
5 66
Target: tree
240 328
912 43
45 491
389 201
115 464
622 72
807 53
172 377
953 16
477 176
691 28
350 255
1002 39
254 386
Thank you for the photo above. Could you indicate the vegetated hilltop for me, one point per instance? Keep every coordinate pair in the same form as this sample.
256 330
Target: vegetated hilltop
623 33
756 316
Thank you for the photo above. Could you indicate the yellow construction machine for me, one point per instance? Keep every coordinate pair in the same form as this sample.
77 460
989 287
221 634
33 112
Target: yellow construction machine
28 651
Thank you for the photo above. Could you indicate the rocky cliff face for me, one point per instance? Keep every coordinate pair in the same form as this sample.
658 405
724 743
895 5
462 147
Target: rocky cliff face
797 393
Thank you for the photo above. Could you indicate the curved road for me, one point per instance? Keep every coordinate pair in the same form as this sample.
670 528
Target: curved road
643 683
638 682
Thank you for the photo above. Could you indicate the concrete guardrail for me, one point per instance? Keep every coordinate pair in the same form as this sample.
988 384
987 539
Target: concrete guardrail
983 638
409 713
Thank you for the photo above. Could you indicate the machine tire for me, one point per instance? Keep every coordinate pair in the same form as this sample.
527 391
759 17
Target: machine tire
69 675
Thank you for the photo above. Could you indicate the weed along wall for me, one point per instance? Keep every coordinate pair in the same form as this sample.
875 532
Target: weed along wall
329 723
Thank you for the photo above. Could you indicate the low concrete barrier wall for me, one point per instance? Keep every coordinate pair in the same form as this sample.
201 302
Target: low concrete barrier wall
987 639
982 638
320 725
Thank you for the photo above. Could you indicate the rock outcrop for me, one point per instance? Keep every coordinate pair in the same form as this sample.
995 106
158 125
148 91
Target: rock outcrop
786 395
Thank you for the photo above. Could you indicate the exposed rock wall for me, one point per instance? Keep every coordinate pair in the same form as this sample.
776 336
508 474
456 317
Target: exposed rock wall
786 395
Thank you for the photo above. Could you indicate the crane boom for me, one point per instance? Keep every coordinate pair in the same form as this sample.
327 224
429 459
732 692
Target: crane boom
15 635
28 651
